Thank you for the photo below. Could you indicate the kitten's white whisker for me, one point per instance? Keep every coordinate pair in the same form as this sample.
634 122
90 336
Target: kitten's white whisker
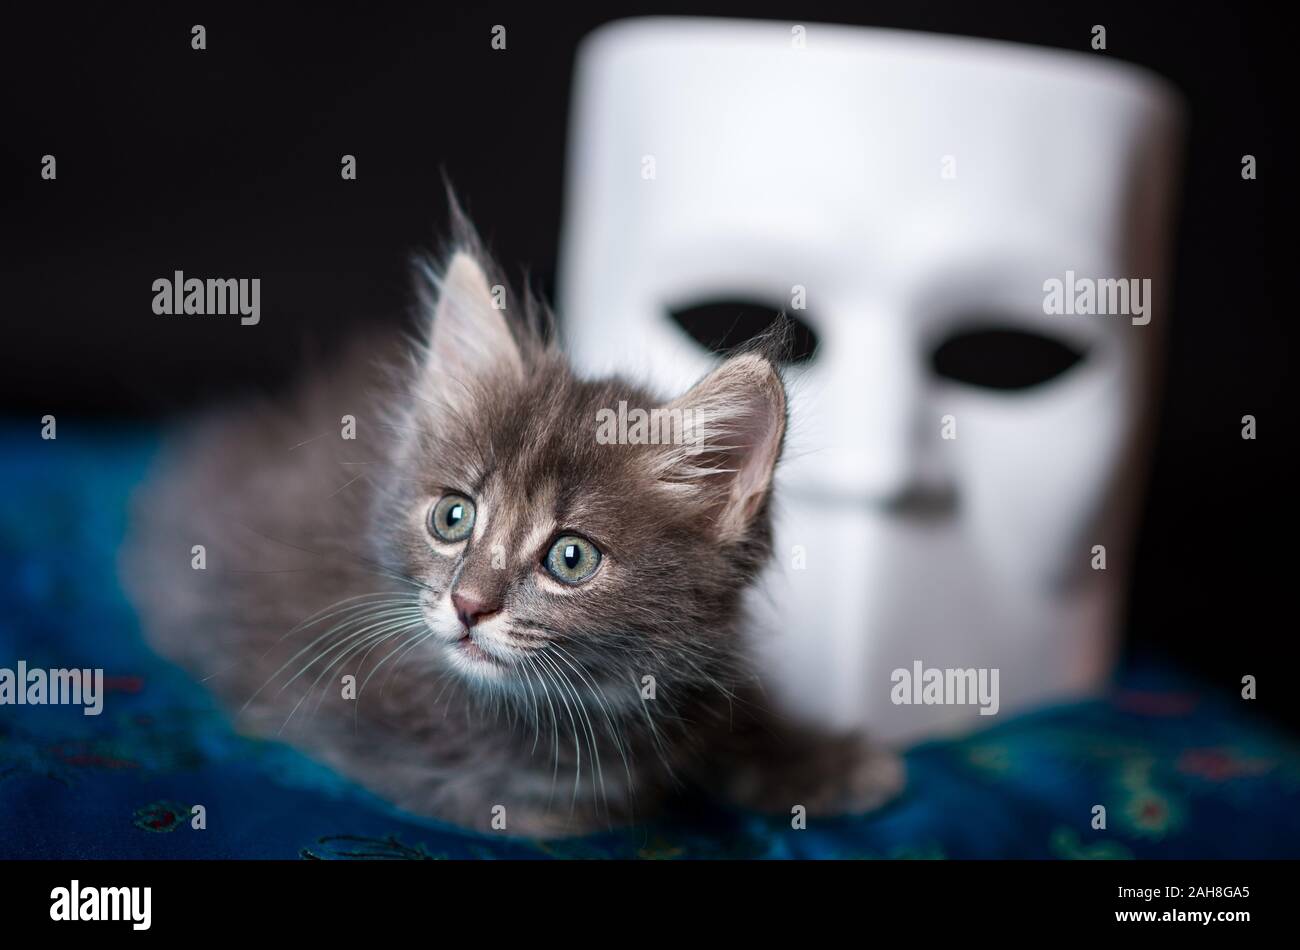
307 441
411 624
555 727
388 656
368 623
654 729
385 631
367 643
577 744
599 696
526 678
597 772
350 481
361 617
322 614
415 642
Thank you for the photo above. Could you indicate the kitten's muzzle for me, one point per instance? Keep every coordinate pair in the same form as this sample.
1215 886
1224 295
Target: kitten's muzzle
471 610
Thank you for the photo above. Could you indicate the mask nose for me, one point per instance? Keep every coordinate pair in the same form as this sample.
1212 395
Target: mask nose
470 609
867 427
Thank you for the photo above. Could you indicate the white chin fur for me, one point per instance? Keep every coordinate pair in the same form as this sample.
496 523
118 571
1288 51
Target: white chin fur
449 632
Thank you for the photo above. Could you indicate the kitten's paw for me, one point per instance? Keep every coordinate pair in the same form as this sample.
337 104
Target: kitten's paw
831 777
875 776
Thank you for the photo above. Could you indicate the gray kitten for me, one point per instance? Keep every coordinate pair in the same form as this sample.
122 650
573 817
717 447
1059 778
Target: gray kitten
475 606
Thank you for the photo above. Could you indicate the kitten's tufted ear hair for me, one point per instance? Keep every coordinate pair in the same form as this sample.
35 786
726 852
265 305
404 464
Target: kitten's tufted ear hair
733 423
470 339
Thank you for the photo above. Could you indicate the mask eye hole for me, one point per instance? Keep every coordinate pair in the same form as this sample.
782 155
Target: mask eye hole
1006 358
722 325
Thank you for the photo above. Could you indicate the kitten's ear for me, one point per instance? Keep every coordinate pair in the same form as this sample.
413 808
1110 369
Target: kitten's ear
469 339
734 423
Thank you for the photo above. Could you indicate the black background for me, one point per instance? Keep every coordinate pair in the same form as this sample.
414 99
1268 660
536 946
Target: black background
226 161
340 900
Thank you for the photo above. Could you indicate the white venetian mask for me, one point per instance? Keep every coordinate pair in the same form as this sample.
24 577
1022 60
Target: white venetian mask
906 198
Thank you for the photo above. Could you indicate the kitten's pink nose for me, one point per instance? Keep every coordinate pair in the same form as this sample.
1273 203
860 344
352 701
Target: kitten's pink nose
471 610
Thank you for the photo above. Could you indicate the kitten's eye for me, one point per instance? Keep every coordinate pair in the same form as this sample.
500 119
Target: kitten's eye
572 559
452 518
1003 357
721 325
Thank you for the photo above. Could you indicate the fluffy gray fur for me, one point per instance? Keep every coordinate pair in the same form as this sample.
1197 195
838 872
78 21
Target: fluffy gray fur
320 564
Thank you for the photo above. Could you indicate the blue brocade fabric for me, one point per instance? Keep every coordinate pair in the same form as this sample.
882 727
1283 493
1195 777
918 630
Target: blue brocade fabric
1182 773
